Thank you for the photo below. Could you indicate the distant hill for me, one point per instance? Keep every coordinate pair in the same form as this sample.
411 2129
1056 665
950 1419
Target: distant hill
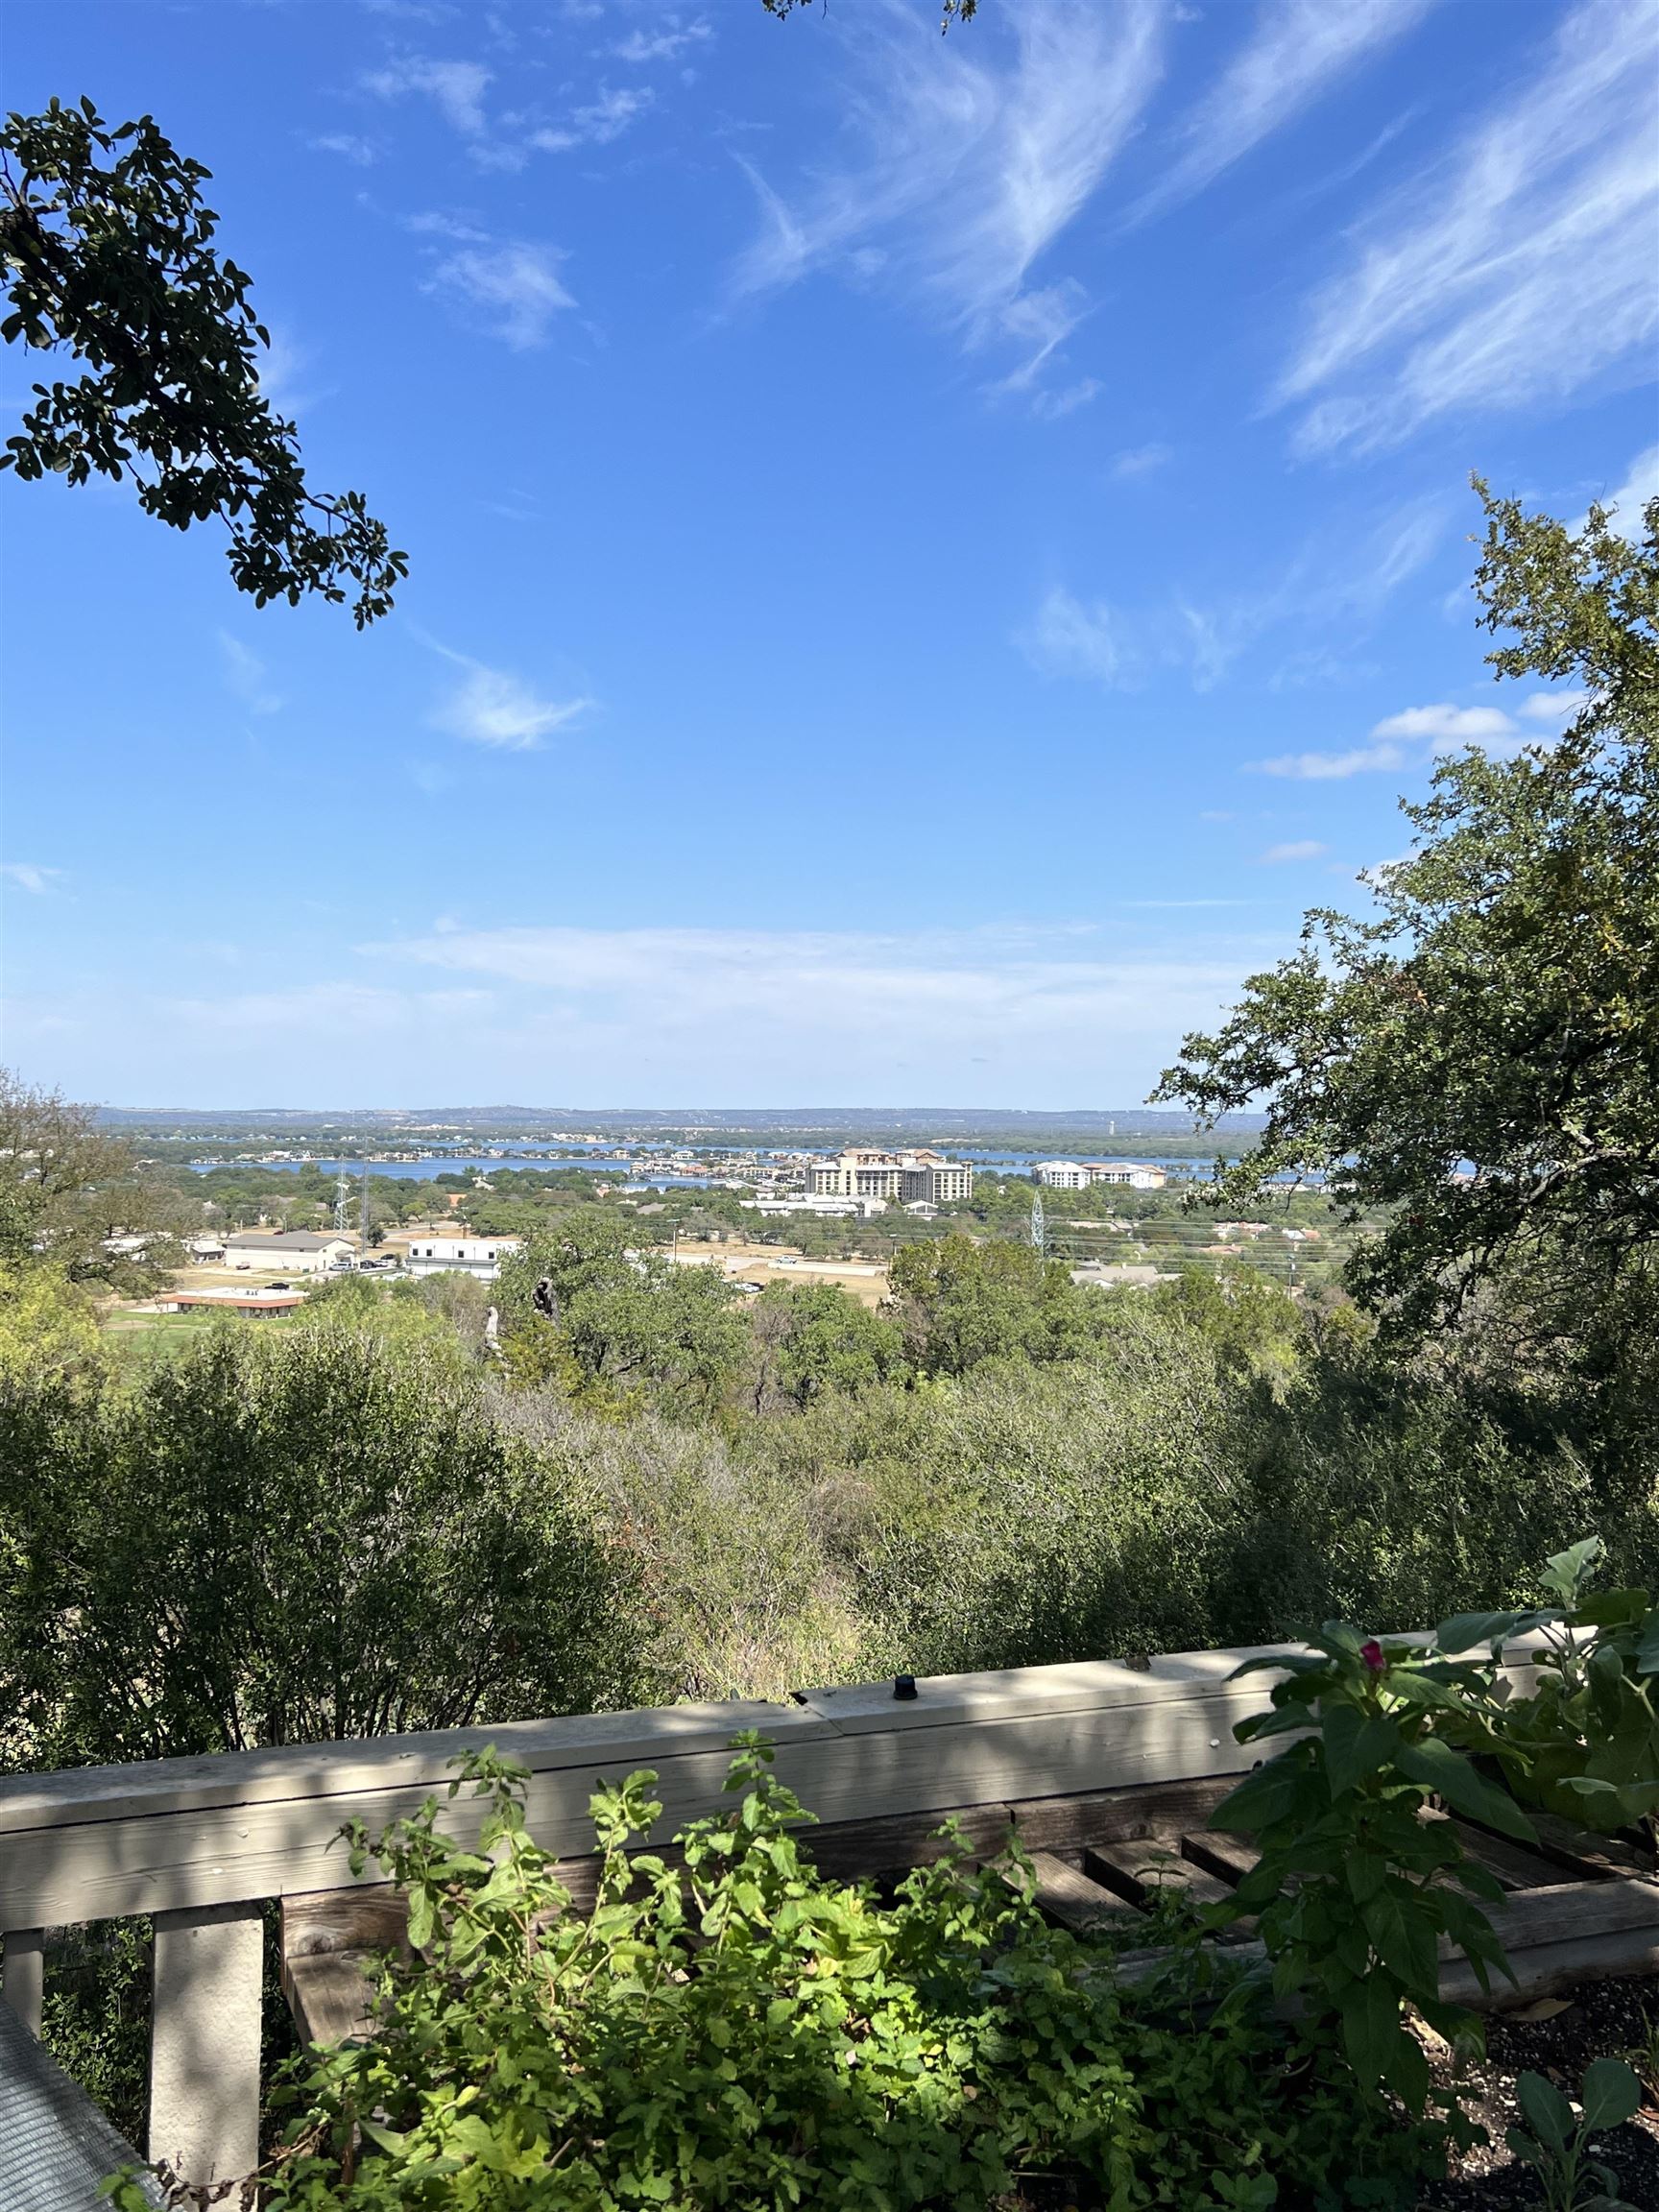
1125 1121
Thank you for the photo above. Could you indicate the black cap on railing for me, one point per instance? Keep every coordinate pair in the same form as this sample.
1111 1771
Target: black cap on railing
904 1685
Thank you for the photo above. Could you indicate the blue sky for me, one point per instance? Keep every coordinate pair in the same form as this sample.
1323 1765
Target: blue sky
926 555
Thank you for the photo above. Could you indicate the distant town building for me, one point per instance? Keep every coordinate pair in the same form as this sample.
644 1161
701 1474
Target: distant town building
798 1202
479 1256
884 1175
1084 1174
285 1251
230 1301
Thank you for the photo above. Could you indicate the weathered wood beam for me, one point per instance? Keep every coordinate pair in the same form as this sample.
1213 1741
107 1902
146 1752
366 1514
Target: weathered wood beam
22 1975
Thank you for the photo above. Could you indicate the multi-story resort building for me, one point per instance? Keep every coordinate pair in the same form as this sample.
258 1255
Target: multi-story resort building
903 1175
1083 1174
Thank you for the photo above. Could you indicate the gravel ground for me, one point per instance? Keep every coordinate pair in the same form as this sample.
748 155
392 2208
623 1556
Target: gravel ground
1598 2020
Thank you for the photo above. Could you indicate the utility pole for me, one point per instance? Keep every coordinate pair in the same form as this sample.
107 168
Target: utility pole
1039 1228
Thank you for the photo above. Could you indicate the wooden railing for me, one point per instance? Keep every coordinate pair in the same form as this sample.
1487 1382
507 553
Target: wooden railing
202 1844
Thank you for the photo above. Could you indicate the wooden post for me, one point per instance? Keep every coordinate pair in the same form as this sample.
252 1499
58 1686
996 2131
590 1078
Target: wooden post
22 1974
204 2042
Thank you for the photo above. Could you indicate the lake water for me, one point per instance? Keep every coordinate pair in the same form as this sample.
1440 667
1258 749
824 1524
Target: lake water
637 1170
453 1164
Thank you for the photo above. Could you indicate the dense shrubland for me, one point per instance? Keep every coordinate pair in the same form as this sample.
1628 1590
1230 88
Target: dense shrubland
369 1520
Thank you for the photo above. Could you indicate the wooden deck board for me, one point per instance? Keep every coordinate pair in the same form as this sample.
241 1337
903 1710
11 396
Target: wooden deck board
1073 1899
1140 1871
1067 1823
1227 1857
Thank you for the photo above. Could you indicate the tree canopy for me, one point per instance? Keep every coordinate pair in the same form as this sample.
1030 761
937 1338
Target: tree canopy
108 255
1478 1062
69 1189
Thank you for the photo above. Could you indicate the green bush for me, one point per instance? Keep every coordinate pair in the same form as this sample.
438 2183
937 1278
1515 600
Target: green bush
279 1539
734 2030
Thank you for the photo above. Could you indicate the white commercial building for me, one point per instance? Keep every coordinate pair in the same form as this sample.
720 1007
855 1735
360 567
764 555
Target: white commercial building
479 1256
884 1175
285 1251
1084 1174
814 1204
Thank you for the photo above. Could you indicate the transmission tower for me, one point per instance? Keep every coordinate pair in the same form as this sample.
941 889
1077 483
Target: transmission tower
365 1207
342 1203
1039 1229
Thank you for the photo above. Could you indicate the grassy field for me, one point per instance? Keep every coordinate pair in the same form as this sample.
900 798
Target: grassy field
143 1334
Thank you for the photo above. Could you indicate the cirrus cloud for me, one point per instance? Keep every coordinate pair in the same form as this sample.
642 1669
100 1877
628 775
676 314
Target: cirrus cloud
490 708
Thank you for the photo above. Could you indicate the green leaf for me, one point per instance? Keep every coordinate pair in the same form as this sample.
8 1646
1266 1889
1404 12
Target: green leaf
1404 1935
1355 1745
1370 2024
1565 1571
1451 1777
1646 1655
1270 1794
1611 1609
1366 1871
1547 2112
1279 1663
1611 2095
1465 1630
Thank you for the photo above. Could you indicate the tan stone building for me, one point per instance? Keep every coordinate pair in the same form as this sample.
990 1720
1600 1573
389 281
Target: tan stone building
901 1175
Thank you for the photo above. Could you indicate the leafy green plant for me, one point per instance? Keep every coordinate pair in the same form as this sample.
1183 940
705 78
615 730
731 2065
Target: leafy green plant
729 2028
1586 1743
1354 1891
1644 2056
1558 2148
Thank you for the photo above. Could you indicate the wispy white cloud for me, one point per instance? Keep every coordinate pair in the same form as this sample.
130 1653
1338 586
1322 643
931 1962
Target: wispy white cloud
245 674
839 992
666 44
516 284
1054 406
361 153
1413 736
1553 706
281 368
1297 848
1297 50
1140 461
1068 637
1446 725
1625 505
972 161
1342 576
1023 1016
597 122
29 875
1330 767
1516 271
433 223
456 88
490 706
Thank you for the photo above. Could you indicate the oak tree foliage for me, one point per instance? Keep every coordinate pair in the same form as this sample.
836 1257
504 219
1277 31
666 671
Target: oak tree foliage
108 255
1476 1065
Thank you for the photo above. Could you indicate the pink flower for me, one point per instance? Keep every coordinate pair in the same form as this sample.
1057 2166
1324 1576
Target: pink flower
1372 1655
